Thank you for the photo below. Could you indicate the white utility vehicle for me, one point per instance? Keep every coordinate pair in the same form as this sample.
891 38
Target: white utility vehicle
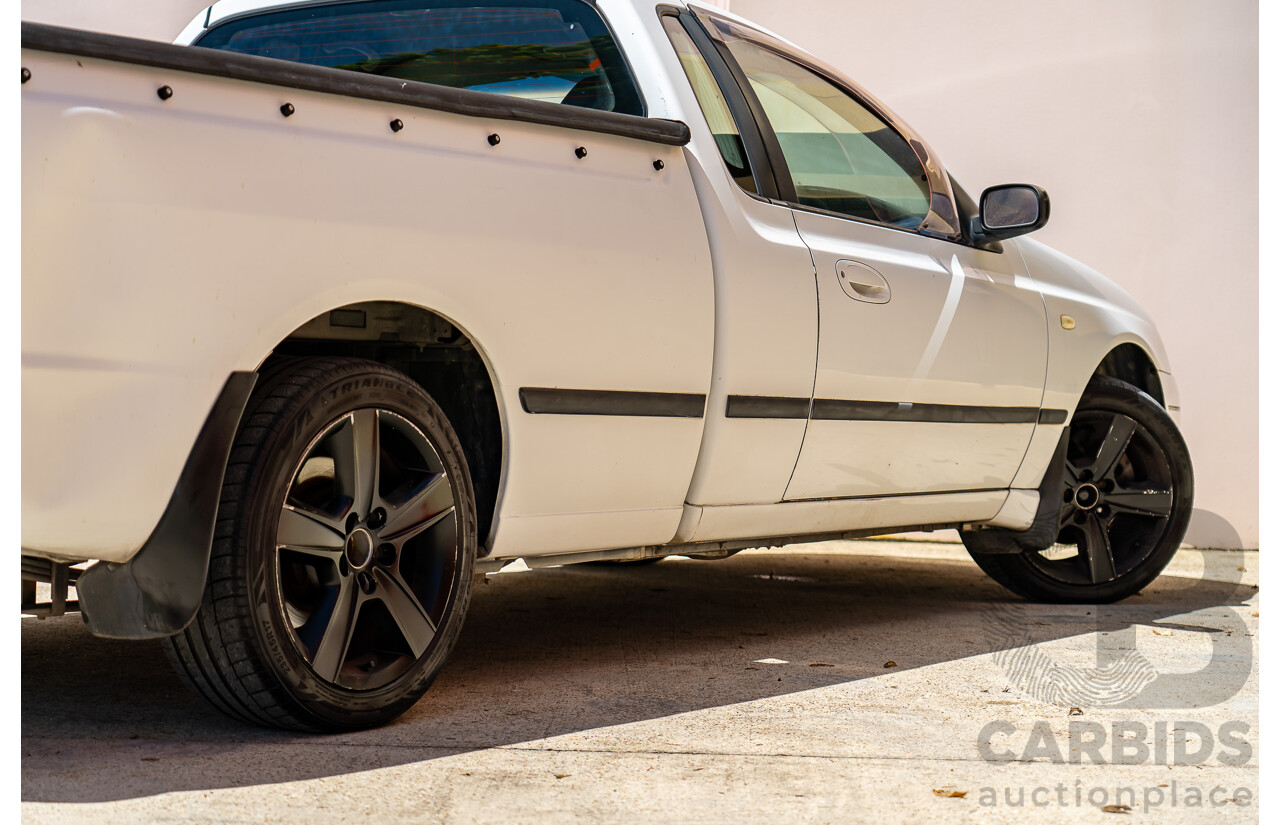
332 307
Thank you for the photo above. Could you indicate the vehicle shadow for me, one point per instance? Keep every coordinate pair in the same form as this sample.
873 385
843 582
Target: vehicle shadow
549 653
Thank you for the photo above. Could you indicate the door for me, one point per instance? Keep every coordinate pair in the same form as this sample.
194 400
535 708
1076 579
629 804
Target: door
931 353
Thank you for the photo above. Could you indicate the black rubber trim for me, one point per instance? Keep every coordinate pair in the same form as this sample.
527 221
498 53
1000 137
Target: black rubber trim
550 401
763 146
1053 417
253 68
157 592
829 409
764 406
744 117
832 409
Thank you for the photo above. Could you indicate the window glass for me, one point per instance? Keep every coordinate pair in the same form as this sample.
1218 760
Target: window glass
714 107
842 157
553 50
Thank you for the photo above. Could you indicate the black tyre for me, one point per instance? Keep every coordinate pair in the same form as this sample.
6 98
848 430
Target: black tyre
343 552
1124 506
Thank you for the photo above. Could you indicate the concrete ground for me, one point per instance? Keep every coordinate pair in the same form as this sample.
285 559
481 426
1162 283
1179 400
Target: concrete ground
837 682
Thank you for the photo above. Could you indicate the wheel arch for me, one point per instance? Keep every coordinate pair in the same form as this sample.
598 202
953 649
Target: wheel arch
157 591
1130 363
442 357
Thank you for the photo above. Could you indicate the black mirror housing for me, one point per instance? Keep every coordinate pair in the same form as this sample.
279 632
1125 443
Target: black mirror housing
1009 210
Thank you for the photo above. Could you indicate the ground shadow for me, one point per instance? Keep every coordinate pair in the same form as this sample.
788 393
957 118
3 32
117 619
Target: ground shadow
547 653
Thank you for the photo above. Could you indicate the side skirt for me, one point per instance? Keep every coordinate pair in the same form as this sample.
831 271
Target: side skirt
701 550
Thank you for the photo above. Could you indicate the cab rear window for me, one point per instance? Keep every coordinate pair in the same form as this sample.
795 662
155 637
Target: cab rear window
552 50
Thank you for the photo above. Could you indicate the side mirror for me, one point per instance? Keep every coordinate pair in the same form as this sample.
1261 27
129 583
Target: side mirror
1010 210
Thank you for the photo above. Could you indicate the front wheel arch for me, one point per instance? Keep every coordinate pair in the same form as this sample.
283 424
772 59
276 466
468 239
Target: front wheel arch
1131 364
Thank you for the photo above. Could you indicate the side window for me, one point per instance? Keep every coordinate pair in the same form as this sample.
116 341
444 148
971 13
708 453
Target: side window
553 50
714 107
842 157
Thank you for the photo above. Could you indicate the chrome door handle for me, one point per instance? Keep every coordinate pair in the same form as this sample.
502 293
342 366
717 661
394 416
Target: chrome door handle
862 283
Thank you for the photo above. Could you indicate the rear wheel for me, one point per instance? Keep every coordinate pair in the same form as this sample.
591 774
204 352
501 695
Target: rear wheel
1123 507
343 553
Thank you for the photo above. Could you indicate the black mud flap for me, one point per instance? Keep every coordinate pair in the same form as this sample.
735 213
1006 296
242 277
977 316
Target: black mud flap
157 592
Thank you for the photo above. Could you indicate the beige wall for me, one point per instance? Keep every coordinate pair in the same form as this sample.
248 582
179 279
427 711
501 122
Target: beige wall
1139 117
152 19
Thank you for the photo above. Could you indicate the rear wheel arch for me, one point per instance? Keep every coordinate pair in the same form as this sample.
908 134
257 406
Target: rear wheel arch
443 358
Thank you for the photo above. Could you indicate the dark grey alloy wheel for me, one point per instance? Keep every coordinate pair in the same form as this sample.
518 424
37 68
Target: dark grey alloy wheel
343 554
1124 503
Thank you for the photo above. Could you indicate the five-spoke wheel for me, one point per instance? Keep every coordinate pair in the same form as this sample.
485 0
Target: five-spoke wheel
1125 503
366 543
1117 497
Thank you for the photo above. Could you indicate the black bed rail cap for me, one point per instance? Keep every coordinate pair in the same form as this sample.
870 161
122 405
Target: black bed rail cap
253 68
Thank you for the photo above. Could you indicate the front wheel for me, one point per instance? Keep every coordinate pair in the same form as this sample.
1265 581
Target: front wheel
1123 508
342 559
